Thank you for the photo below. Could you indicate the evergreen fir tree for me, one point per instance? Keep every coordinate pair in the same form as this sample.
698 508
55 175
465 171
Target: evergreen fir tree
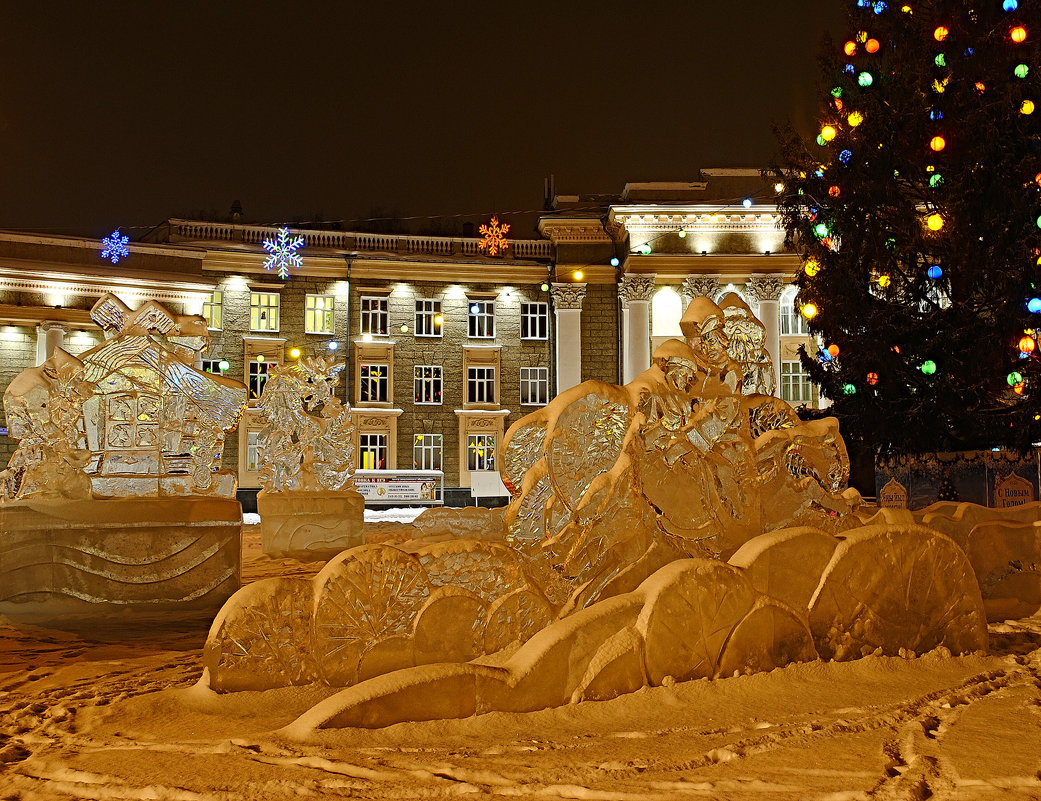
917 211
947 490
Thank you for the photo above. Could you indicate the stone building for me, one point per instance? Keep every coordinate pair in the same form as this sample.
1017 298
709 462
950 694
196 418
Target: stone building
446 344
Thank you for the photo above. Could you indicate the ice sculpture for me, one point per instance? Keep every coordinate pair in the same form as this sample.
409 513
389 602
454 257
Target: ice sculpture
308 505
119 449
626 502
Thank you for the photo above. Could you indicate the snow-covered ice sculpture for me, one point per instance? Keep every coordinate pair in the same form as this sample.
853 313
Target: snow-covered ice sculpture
308 505
609 572
119 448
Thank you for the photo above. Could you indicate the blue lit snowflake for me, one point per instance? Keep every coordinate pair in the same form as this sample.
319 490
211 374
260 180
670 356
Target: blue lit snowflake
115 247
283 253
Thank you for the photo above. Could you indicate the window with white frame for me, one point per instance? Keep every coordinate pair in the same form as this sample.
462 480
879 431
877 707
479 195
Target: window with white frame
263 311
666 312
374 315
428 383
481 322
480 385
213 310
373 383
534 386
429 322
212 366
252 451
372 451
792 323
795 383
426 452
318 314
258 377
480 452
534 321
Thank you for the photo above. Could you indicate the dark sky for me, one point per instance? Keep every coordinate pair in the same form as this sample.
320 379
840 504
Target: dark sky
126 113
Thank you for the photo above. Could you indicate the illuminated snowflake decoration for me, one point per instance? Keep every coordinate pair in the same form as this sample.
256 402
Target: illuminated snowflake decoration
494 238
283 253
115 247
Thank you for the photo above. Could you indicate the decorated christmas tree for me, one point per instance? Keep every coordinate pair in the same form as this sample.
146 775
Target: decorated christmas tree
917 211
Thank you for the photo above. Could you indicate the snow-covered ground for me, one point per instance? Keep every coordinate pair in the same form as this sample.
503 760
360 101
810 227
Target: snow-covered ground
395 515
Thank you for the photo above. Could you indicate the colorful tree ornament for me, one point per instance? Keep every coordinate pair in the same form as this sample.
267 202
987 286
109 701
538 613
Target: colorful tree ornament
812 267
828 132
849 48
1034 305
1018 34
865 79
928 367
1014 378
1026 107
849 389
937 143
934 222
871 45
809 311
283 253
1021 71
1010 5
871 378
494 238
855 118
115 247
940 33
833 350
1027 344
935 272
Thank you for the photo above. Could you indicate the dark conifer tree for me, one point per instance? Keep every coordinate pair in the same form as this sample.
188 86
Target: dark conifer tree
917 211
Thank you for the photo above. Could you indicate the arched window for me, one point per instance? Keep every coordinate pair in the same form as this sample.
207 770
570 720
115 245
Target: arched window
666 311
792 323
730 289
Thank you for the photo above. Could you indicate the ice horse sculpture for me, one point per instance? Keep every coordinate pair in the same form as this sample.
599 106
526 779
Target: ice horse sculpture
609 571
308 505
115 493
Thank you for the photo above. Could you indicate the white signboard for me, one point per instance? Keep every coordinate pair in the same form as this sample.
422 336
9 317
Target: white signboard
1012 490
406 486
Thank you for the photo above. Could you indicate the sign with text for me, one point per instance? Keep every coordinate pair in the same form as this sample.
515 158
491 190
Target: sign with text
893 495
400 486
1012 490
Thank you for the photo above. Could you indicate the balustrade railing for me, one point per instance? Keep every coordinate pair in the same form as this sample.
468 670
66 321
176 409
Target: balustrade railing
350 241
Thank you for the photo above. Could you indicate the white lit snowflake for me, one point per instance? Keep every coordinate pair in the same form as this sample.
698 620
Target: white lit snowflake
283 253
115 247
494 237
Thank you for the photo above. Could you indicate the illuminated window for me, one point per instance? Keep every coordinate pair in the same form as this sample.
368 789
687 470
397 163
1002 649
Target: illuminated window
481 323
263 311
252 451
534 386
213 310
426 452
429 322
428 383
318 314
374 316
480 452
372 451
258 377
480 385
534 321
373 384
792 323
666 311
212 366
795 383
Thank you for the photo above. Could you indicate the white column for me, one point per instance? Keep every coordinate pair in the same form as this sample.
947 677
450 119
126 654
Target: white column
636 291
48 337
767 290
626 374
567 308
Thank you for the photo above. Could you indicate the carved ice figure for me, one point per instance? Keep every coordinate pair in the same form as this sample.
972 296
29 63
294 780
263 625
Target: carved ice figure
308 505
130 417
306 443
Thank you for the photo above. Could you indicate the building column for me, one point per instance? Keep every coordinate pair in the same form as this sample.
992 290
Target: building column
700 286
767 291
567 308
626 376
635 292
48 337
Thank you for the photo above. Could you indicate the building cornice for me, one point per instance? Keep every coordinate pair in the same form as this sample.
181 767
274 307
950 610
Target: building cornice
27 276
656 219
673 268
84 243
35 315
571 231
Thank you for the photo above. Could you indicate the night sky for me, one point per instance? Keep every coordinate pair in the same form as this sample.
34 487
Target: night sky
124 114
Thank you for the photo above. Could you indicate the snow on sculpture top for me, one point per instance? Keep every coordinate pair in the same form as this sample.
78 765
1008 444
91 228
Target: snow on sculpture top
307 440
131 417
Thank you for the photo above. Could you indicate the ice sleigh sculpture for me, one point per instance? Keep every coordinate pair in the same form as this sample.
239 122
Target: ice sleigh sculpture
633 552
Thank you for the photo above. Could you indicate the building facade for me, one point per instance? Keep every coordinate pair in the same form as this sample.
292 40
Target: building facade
445 344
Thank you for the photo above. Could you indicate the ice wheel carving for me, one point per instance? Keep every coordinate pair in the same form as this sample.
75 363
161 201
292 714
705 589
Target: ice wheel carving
259 640
363 596
515 618
484 568
908 587
522 449
587 441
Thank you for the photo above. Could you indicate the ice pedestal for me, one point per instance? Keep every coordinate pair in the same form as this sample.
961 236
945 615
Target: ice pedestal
311 525
146 553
